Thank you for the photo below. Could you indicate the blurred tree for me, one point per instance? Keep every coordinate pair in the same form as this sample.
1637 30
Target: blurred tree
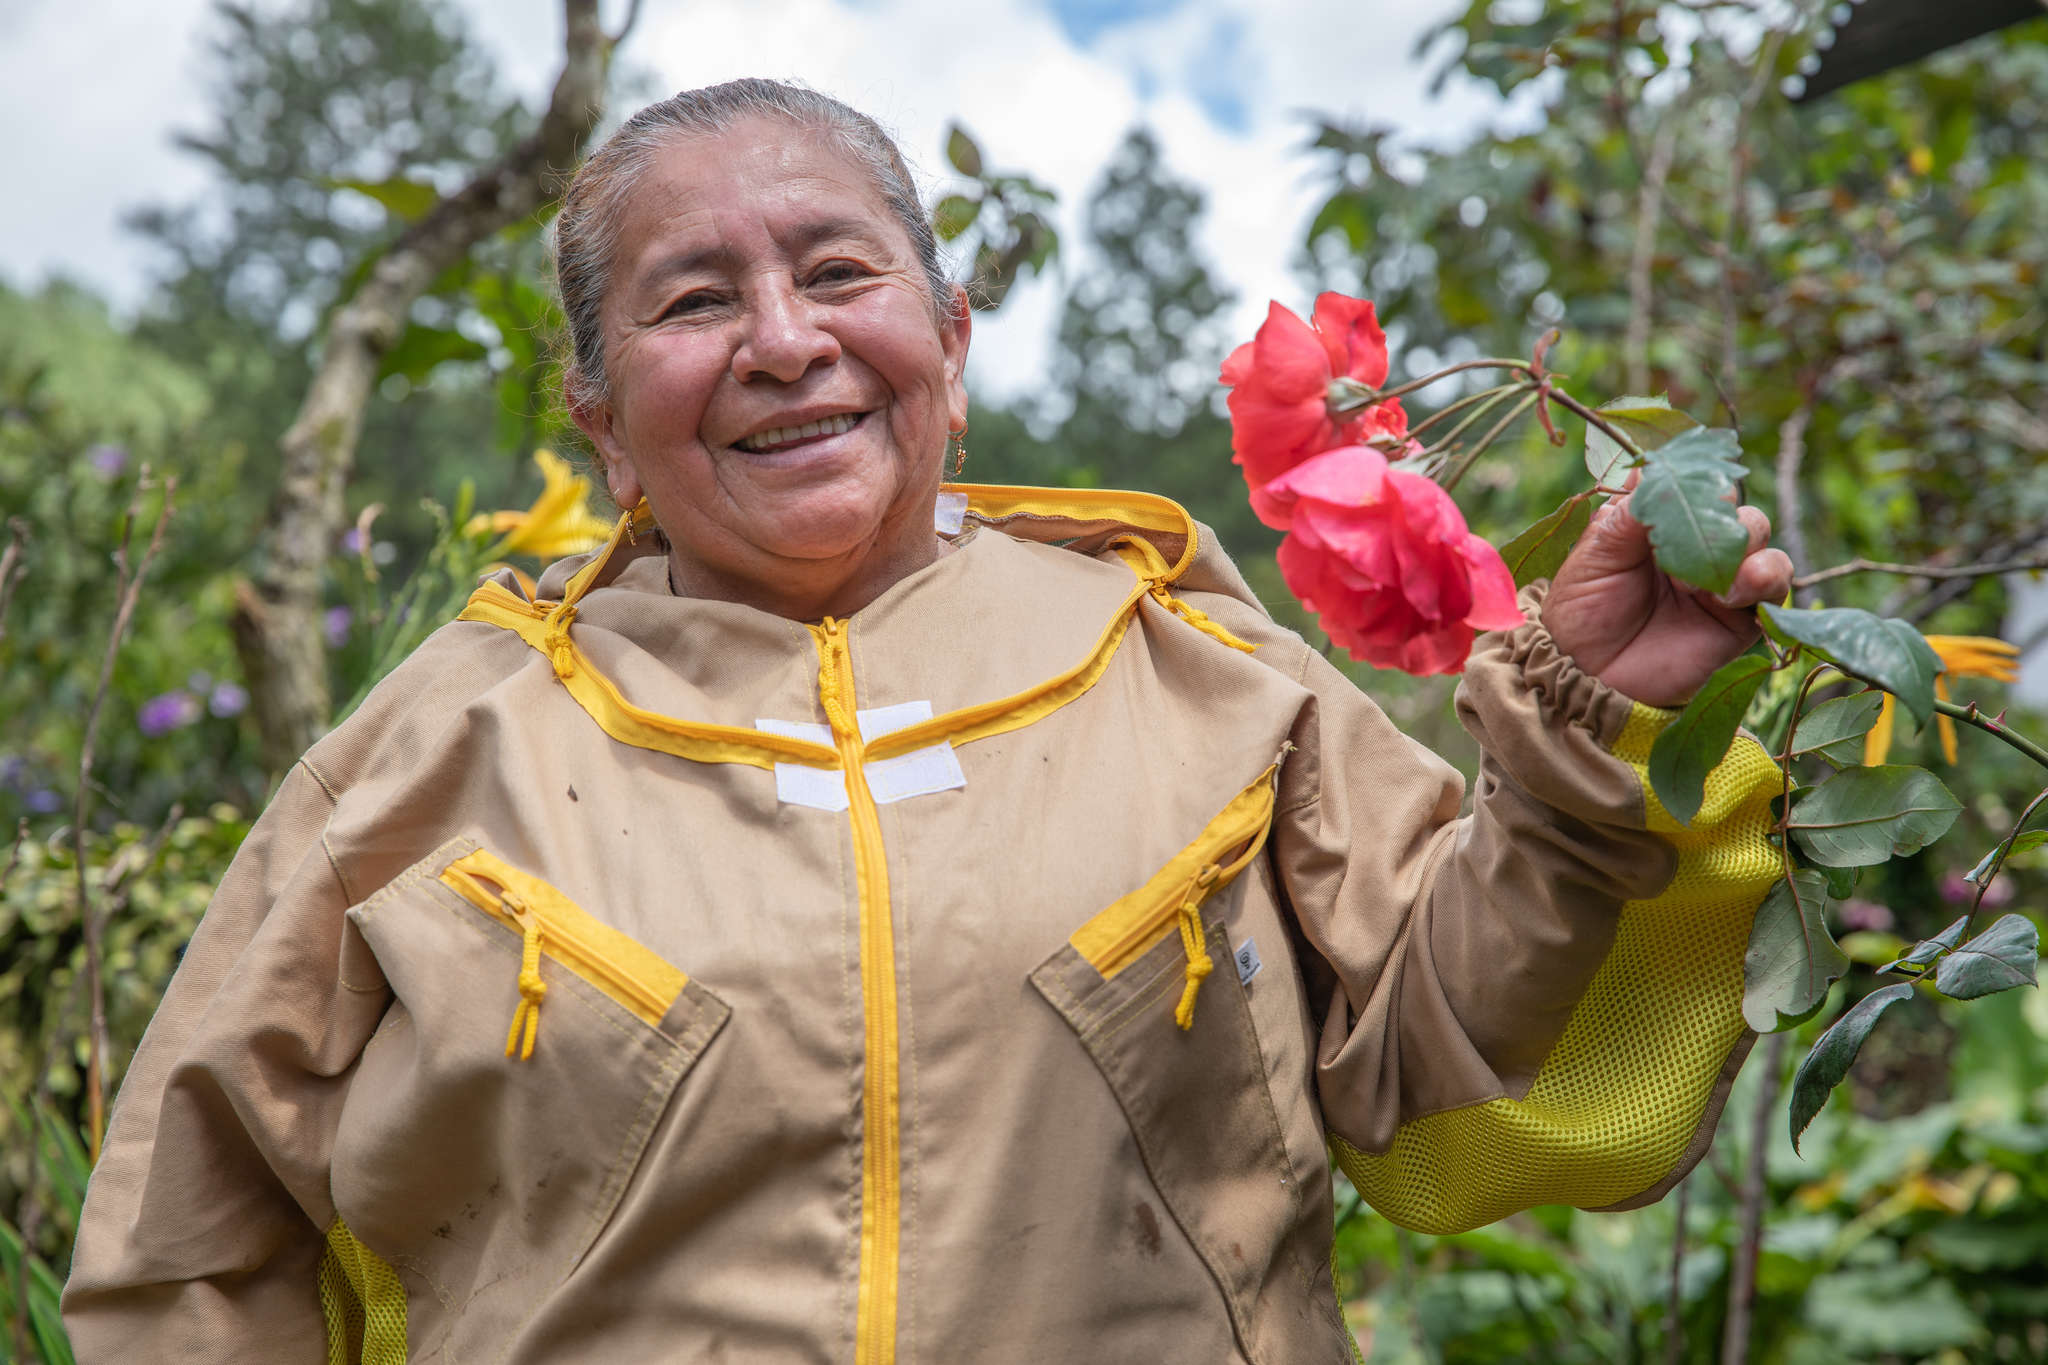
1133 401
1858 284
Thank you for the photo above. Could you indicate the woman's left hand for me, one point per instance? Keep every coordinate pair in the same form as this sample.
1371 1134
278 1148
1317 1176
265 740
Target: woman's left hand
1640 631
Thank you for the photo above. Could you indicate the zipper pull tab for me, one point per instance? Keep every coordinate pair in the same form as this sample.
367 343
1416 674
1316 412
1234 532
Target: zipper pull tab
1195 943
531 987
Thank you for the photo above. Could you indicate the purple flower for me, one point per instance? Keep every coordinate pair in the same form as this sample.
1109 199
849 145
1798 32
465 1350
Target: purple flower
352 541
228 699
336 624
108 460
43 801
1869 915
171 711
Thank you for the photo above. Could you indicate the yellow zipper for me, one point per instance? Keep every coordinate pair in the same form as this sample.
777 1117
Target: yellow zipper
1172 897
881 1173
548 922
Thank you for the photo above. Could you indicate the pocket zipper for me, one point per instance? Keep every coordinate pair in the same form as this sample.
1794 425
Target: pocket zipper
549 922
1173 897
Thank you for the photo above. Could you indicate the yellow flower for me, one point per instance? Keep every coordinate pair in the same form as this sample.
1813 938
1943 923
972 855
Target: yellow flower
1963 656
559 522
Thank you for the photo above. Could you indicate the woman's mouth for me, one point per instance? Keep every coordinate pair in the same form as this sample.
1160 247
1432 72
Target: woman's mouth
787 438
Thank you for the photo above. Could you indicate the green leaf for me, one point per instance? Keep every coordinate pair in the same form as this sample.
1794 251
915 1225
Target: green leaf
1880 650
1537 552
1792 959
1835 729
1649 422
1998 959
1691 746
1928 949
1684 500
405 200
962 152
2033 838
954 215
1829 1061
1862 816
420 349
1842 881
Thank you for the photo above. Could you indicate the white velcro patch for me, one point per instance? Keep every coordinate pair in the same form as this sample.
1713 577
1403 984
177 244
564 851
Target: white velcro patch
934 768
949 514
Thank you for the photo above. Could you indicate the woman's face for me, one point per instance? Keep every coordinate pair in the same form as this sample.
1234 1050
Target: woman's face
781 391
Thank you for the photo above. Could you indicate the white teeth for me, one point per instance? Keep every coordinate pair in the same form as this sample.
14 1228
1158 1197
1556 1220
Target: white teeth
775 436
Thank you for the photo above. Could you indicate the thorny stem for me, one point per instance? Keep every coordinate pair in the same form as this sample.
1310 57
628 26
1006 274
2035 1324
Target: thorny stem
1998 861
130 589
1969 715
1483 396
1457 471
1495 398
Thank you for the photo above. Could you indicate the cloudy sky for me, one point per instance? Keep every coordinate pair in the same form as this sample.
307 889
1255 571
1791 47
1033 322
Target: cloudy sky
92 94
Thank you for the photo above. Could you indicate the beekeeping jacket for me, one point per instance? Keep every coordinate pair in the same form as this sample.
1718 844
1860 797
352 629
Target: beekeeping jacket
989 976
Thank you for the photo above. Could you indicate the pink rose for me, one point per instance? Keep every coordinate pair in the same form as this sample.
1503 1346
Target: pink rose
1384 560
1279 392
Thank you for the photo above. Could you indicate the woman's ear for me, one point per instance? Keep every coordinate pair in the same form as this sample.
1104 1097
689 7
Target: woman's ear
956 329
595 420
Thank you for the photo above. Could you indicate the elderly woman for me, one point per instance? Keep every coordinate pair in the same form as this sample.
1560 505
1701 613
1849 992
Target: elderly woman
801 933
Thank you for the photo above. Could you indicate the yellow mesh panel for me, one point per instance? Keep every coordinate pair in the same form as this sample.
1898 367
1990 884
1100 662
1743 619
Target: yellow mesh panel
362 1301
1619 1099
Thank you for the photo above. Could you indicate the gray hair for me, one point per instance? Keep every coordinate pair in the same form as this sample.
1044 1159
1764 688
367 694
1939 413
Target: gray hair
586 232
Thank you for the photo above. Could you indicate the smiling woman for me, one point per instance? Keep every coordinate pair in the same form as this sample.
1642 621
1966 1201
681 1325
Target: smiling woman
792 931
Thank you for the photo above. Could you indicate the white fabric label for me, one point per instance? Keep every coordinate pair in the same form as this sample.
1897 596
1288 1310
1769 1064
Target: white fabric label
1248 963
950 513
934 768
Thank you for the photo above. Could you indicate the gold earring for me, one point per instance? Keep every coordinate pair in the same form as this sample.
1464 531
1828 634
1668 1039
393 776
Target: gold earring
957 442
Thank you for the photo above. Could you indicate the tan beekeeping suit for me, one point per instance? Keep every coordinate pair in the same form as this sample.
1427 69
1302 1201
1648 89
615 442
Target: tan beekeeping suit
987 977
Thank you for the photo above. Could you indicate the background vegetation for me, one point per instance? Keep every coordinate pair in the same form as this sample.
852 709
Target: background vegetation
1857 286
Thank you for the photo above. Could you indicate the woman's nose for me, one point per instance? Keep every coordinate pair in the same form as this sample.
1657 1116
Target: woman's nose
781 337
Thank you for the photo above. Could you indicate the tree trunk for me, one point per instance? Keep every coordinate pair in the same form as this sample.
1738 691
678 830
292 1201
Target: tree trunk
277 623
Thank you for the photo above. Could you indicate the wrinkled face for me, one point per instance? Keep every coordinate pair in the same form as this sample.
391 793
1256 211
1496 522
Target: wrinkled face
781 390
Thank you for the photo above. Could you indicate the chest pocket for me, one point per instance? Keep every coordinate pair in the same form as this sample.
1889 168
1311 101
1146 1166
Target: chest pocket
1149 988
501 1108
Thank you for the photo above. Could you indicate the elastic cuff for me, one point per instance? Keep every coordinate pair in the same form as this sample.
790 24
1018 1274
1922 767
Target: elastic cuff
1565 692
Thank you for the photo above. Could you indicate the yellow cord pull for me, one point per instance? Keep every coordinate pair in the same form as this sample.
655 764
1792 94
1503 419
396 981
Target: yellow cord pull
1199 619
1195 943
555 639
531 987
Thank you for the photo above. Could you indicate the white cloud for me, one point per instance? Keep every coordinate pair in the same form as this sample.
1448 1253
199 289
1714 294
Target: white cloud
104 98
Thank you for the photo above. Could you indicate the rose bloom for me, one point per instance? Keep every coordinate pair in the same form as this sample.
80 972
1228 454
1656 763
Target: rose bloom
1279 392
1384 560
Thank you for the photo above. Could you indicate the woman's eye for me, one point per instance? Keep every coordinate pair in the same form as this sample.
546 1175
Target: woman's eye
837 272
694 302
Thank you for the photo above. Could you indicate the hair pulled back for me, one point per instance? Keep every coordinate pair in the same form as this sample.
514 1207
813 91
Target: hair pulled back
586 232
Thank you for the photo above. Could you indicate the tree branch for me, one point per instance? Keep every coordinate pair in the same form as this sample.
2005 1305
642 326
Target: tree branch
1742 1274
1649 210
1791 454
277 625
12 570
129 592
1983 570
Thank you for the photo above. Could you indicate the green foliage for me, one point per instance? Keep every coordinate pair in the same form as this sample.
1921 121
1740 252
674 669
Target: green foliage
1834 729
1695 743
1792 959
1649 422
1828 1063
1686 500
1885 653
1862 816
2000 958
1539 551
